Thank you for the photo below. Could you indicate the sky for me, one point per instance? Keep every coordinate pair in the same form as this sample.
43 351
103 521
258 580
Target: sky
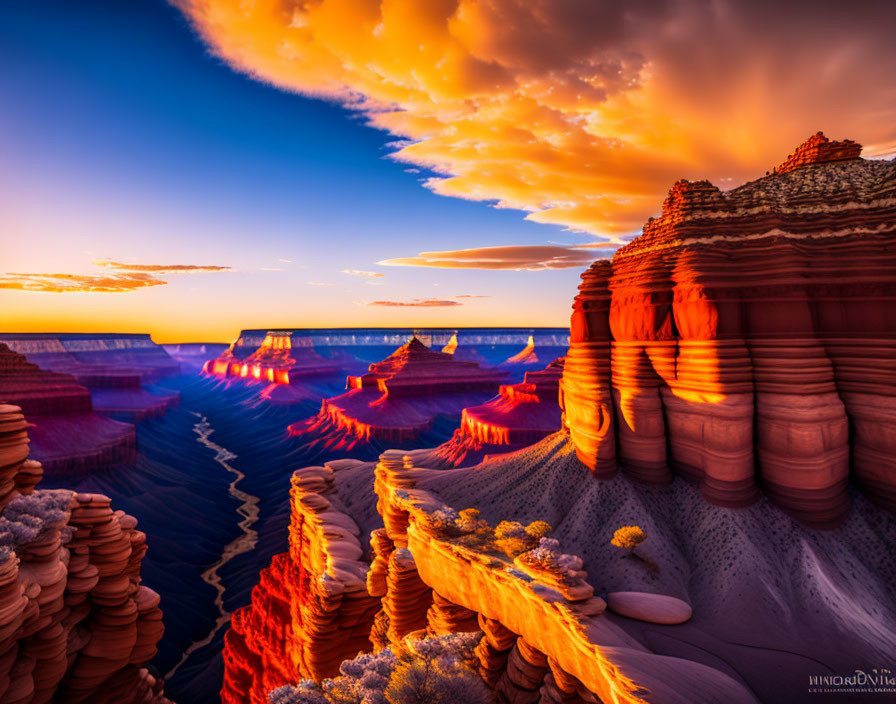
189 170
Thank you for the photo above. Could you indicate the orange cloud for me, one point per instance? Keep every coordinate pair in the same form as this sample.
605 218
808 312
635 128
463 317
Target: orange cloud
581 113
418 303
69 283
515 258
163 268
132 277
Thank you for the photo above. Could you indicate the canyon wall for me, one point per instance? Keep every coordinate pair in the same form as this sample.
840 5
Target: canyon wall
99 359
76 625
748 339
66 435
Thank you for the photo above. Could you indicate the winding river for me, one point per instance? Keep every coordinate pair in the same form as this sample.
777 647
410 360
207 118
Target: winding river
248 510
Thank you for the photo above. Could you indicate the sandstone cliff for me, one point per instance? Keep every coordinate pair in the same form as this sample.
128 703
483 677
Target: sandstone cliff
748 338
76 625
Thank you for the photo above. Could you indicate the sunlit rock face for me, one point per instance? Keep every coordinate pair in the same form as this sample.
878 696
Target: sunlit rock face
76 625
67 436
279 359
311 609
748 338
399 397
521 415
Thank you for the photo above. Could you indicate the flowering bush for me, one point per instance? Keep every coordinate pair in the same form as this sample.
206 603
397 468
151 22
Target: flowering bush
25 518
435 670
628 537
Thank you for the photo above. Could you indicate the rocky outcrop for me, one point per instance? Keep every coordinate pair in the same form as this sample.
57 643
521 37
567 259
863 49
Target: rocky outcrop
279 359
67 436
521 415
311 609
746 339
398 398
76 625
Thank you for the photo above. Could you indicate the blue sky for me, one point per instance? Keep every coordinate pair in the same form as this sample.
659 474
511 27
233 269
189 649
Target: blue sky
124 139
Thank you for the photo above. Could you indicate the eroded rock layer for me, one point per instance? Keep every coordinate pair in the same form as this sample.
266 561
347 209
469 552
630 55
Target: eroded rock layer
521 415
67 436
76 625
399 397
277 360
101 359
311 609
749 337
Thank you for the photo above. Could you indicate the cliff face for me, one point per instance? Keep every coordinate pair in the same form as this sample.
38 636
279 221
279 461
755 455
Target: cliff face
311 609
76 625
749 337
67 436
96 359
277 360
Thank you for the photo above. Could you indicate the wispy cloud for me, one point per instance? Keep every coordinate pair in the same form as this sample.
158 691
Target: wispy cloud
161 268
417 303
285 261
367 274
70 283
128 277
514 258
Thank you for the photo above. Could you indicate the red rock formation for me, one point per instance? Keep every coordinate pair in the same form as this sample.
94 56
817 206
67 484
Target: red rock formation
37 391
749 334
96 359
398 398
76 625
311 609
278 360
521 415
66 436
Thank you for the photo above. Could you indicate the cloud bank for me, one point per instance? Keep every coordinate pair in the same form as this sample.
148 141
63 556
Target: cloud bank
365 274
581 113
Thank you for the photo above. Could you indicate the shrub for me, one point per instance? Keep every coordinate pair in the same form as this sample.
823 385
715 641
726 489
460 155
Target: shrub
628 537
538 529
430 681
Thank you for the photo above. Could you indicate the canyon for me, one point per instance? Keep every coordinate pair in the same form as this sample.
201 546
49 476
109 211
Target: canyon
727 390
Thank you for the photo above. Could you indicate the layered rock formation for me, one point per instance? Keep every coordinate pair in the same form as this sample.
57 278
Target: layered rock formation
67 436
310 610
521 415
76 625
748 338
399 397
96 359
279 359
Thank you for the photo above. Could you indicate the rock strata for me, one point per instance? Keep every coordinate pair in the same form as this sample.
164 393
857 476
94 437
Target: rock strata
521 415
67 436
398 398
746 339
76 625
280 359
